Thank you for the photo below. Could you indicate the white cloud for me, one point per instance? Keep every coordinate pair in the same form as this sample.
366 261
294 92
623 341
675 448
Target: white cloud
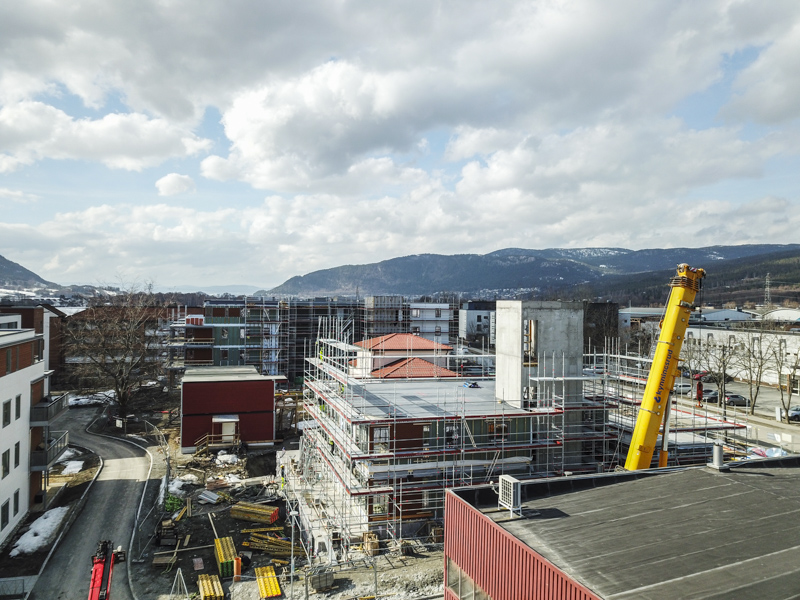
17 196
31 131
174 184
384 129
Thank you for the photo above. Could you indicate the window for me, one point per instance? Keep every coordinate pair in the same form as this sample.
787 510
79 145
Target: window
426 436
16 455
415 330
438 313
224 333
380 439
462 585
4 515
18 407
415 313
6 413
380 504
479 318
8 360
16 503
6 463
437 331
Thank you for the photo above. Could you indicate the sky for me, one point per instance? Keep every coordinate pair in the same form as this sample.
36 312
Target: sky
190 144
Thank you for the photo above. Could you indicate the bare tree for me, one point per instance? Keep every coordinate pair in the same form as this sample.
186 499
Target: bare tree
113 345
787 366
753 352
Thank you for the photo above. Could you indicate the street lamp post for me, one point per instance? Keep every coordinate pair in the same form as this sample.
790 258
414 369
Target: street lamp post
292 515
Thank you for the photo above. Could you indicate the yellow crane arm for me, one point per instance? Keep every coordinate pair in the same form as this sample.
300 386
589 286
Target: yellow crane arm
655 402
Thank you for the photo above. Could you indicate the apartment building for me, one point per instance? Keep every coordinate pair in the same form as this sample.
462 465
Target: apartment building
476 321
28 446
48 321
430 320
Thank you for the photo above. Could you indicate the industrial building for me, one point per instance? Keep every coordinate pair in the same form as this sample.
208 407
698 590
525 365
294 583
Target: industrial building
672 533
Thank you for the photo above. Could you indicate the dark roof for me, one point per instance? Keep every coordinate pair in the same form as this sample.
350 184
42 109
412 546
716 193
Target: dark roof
689 533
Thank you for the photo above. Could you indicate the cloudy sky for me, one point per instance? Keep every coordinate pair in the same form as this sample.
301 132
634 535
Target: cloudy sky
243 142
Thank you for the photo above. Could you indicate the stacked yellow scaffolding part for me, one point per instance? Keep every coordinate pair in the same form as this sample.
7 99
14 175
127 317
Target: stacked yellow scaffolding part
267 581
224 552
210 588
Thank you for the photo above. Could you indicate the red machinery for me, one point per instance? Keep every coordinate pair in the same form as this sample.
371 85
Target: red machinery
102 568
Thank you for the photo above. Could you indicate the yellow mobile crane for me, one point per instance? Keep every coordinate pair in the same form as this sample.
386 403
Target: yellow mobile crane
656 402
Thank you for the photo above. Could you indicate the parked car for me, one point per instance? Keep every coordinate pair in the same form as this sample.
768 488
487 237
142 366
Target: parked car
736 400
711 396
681 387
715 378
794 413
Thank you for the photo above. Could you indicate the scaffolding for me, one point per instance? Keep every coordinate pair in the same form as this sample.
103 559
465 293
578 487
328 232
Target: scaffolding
378 455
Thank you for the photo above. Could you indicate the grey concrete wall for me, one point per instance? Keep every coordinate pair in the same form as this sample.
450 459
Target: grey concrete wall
558 343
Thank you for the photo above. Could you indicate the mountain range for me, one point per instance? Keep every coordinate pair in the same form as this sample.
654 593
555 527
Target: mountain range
517 270
618 274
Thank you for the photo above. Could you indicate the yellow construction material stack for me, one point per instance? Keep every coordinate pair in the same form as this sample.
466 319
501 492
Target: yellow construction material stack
272 545
258 513
224 552
267 581
210 588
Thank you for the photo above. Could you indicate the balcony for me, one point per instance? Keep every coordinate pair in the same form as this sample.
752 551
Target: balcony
47 410
41 460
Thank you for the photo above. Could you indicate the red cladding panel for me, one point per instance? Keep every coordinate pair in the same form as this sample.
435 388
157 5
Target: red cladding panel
499 563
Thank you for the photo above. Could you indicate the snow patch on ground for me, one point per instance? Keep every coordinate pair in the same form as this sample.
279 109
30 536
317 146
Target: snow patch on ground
67 455
223 458
91 399
41 532
73 466
175 487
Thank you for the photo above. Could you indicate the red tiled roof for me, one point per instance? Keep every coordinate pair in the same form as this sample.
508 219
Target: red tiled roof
402 341
412 367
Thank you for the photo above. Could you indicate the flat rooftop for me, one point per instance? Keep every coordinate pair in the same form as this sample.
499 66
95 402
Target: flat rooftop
688 533
240 373
421 399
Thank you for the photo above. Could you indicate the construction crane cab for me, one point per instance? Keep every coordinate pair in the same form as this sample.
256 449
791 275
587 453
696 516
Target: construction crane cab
102 568
655 406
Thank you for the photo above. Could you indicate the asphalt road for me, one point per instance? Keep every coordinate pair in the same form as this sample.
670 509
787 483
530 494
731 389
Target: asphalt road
108 514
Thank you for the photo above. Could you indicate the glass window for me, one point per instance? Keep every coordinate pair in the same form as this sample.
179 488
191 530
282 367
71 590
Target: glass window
437 331
16 455
16 502
438 313
4 515
18 407
6 413
415 313
6 463
380 504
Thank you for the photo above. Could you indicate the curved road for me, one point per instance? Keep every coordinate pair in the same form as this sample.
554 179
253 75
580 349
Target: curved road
109 513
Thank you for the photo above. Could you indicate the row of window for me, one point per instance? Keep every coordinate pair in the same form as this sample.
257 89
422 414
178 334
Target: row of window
6 466
5 516
7 410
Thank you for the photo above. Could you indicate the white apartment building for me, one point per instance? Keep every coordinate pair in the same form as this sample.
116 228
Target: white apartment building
430 320
27 446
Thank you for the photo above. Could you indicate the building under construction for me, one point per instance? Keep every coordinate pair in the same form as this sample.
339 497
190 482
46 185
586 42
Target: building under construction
275 336
378 455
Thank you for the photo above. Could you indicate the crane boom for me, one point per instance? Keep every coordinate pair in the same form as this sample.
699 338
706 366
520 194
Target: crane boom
655 401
